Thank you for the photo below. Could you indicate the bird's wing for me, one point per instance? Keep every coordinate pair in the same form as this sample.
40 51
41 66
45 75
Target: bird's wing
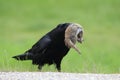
41 45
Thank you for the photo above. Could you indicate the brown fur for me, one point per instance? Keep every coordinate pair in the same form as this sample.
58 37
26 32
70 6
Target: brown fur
71 35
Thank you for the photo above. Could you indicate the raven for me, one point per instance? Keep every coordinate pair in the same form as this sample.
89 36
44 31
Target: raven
53 46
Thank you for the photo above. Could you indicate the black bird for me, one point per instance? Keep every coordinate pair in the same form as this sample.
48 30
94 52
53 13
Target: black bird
53 46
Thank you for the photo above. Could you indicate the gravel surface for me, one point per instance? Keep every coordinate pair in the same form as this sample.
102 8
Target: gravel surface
56 76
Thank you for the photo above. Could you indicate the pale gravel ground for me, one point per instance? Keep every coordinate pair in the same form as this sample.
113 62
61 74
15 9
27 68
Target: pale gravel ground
56 76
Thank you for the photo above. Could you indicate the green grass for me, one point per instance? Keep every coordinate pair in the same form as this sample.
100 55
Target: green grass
23 22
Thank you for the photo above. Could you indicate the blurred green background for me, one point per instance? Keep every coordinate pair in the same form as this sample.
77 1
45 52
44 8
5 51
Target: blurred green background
23 22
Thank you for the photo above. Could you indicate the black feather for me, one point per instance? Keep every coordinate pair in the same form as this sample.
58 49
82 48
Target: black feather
50 49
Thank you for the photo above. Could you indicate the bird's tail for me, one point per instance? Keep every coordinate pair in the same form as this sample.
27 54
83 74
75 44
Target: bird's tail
25 56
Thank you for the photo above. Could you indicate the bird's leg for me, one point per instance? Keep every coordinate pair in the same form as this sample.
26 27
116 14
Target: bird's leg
58 67
39 67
